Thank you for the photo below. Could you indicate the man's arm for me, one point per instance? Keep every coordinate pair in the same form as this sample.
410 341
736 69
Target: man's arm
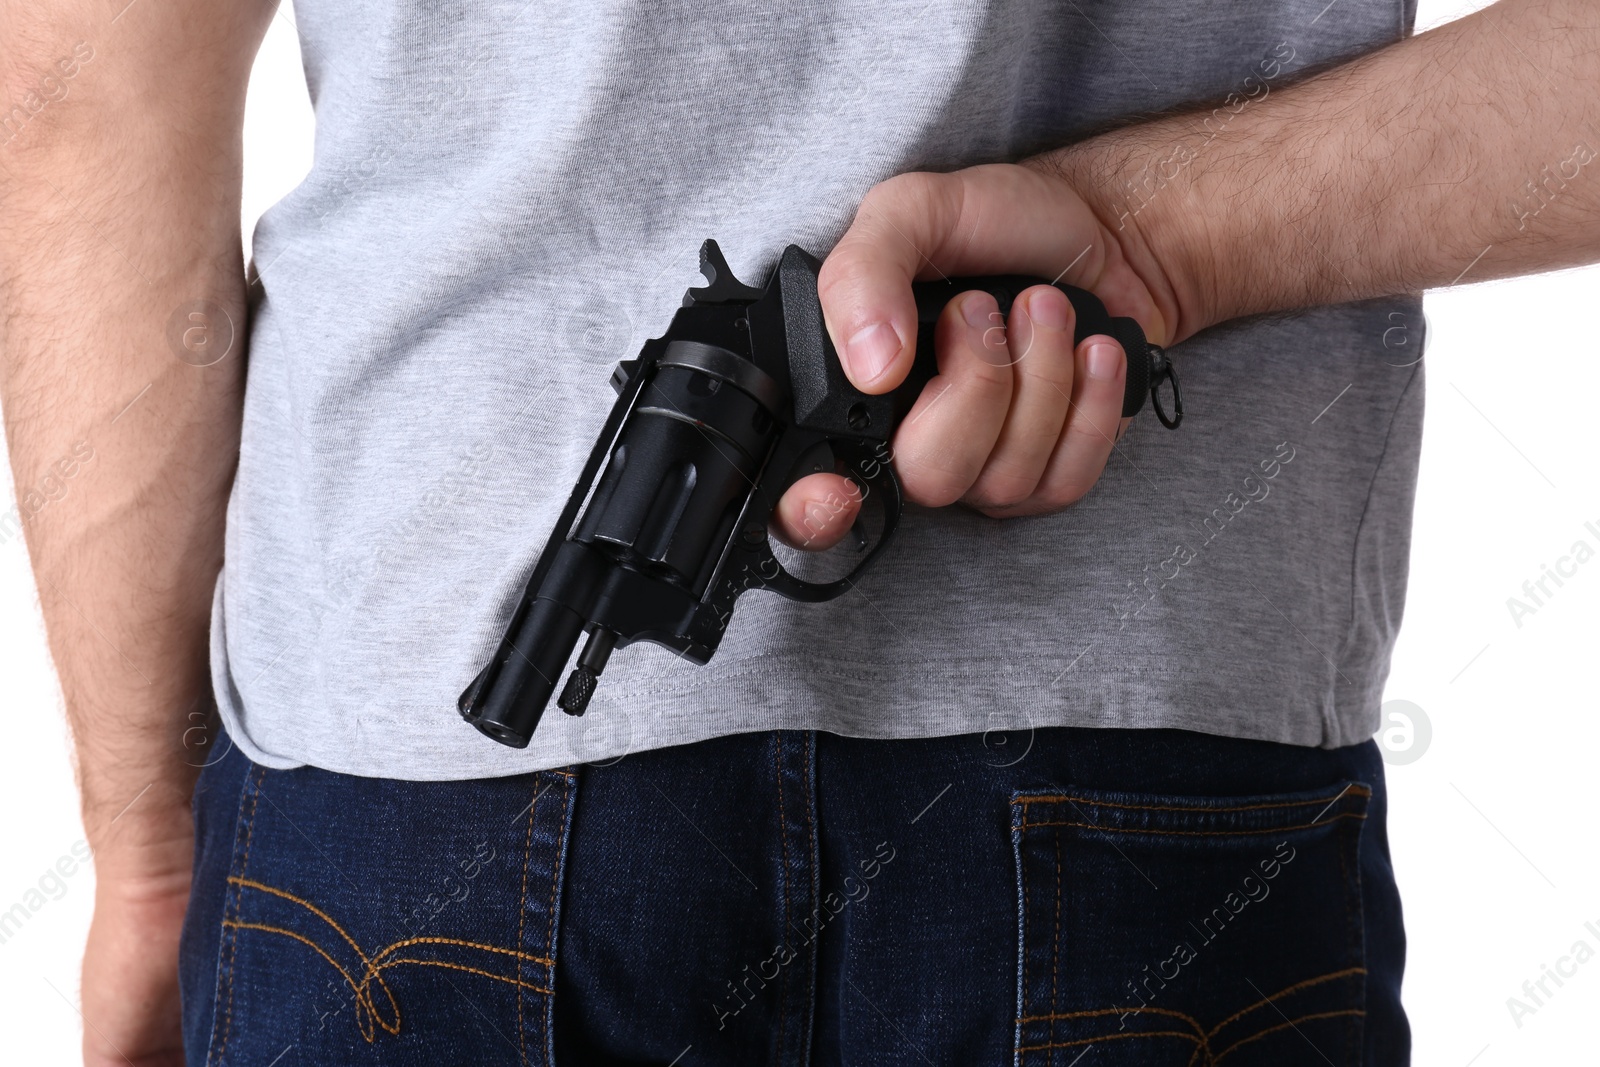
120 162
1470 150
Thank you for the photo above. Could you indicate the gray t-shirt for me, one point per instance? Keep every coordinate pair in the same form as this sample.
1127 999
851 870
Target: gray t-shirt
509 196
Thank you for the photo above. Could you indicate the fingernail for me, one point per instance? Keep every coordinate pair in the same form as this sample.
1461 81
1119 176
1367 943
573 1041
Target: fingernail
1048 309
1105 360
871 349
979 310
817 515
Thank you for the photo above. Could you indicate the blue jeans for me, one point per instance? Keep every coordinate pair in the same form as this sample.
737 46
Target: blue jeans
1093 897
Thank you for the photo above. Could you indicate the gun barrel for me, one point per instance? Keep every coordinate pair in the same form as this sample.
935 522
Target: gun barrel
529 663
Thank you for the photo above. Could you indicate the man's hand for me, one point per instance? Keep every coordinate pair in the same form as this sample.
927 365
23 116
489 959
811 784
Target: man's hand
130 962
1468 150
1019 420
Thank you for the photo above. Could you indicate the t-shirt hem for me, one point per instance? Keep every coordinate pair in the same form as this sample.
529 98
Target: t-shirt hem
427 744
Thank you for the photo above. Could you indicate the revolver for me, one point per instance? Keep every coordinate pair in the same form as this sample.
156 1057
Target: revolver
739 399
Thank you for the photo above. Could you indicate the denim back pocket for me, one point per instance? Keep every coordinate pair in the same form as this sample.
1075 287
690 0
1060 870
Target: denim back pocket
1189 931
374 921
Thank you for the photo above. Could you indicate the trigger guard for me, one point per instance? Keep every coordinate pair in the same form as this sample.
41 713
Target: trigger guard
778 579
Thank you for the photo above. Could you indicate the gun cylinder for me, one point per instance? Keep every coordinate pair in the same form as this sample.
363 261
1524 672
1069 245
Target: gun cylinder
684 464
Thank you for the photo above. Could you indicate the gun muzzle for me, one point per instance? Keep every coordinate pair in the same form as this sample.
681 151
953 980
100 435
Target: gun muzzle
517 684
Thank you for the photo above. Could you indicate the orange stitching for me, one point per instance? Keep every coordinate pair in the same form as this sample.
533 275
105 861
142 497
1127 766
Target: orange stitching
1105 1037
1329 977
522 917
368 972
318 912
374 965
1203 1042
373 969
471 970
1188 1018
363 999
304 940
550 925
1353 790
1286 1025
233 951
528 956
1198 1028
1198 833
325 917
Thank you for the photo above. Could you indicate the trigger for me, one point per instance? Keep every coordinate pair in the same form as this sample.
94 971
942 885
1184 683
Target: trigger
817 459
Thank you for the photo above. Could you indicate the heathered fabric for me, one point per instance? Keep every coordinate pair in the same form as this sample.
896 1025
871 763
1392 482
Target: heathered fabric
509 196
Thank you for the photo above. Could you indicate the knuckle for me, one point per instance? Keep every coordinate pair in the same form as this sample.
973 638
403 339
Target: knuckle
933 478
1047 363
993 377
935 491
1005 498
1003 488
1087 430
917 202
1063 496
840 269
834 278
909 190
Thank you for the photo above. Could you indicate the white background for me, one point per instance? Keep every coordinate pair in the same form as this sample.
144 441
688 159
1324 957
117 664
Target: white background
1491 827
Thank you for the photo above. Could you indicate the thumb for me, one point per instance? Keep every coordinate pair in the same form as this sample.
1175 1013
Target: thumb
865 282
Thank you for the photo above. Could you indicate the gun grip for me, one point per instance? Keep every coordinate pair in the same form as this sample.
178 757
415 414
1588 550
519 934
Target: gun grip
1147 363
824 399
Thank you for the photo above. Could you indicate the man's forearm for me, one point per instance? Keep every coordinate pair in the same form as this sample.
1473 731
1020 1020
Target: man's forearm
1472 150
120 272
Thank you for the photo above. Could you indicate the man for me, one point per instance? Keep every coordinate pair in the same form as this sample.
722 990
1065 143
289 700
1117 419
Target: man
1052 783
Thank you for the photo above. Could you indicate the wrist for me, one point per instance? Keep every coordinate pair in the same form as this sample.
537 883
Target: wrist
1135 182
145 849
148 872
